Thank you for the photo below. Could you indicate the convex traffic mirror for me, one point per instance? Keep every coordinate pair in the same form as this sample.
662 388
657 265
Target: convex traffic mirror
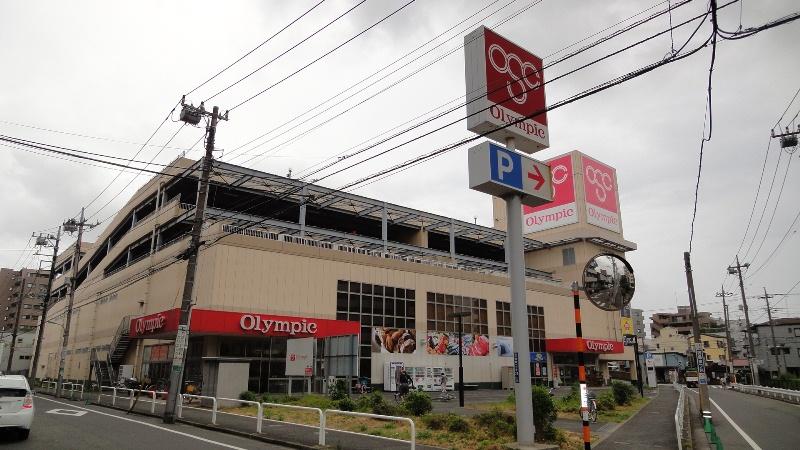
608 281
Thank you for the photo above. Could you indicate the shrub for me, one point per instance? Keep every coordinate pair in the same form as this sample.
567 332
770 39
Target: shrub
435 421
346 404
568 404
418 403
497 423
623 392
376 404
606 401
457 424
544 413
248 396
338 391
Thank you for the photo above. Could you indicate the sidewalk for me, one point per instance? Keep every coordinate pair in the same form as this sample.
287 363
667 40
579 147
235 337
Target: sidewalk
652 427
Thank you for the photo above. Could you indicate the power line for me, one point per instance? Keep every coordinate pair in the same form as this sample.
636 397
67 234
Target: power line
110 183
777 247
137 175
324 55
85 136
300 116
381 174
774 210
383 133
339 114
599 88
255 48
710 115
286 51
764 209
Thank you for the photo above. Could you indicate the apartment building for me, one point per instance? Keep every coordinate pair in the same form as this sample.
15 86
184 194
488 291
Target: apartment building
682 321
28 286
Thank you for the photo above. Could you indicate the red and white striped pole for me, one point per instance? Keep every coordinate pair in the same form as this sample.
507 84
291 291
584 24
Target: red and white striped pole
587 437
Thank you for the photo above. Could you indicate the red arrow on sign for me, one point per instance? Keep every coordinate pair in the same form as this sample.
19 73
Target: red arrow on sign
538 177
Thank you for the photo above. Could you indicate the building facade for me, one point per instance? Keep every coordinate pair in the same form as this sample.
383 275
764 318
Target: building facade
374 284
638 322
682 321
23 352
781 355
29 285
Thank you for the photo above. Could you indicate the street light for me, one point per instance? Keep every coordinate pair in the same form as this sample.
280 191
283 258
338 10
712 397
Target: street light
460 315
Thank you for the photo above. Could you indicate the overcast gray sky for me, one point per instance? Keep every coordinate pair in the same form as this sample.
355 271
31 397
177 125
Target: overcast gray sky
115 69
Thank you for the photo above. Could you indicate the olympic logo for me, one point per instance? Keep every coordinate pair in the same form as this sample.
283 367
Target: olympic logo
601 180
522 79
559 174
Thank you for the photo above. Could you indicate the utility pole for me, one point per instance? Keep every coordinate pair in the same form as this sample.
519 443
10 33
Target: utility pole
45 304
751 351
190 114
702 382
71 226
771 329
724 294
15 330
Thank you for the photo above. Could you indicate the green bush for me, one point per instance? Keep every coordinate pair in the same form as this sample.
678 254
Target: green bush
457 424
376 404
418 403
435 421
248 396
497 423
346 404
606 401
338 391
623 392
544 413
568 404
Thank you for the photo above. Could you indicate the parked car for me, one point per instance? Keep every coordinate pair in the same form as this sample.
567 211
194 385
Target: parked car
16 404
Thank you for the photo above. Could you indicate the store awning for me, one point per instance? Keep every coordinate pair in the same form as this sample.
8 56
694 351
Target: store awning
164 325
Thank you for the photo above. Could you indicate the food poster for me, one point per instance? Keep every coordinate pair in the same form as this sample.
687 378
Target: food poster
441 343
393 340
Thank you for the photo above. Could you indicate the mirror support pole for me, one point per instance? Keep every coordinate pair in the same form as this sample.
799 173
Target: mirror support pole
519 319
705 404
576 301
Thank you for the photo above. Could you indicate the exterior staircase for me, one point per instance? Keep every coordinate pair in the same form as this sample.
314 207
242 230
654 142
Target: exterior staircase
120 343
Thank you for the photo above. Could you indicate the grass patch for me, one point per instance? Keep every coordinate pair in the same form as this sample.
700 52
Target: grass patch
485 432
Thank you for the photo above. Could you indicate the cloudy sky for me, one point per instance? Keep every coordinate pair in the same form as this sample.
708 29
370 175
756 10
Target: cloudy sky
112 71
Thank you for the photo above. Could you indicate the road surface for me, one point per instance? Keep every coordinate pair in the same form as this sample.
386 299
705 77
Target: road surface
745 421
70 425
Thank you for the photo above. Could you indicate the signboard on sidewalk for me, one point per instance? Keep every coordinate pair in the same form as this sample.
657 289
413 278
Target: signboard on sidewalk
629 340
299 356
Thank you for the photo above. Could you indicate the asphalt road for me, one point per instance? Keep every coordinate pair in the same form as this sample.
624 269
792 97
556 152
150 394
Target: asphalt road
70 425
754 422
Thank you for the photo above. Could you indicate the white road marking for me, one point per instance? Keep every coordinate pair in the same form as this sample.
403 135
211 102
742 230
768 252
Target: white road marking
221 444
736 427
66 412
744 435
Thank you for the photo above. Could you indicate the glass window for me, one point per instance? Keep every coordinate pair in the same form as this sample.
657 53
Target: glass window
568 256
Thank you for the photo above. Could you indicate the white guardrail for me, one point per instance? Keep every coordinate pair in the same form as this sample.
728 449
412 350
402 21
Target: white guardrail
679 413
216 401
52 386
786 395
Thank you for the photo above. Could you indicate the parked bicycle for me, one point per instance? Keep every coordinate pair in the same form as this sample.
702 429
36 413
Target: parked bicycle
592 406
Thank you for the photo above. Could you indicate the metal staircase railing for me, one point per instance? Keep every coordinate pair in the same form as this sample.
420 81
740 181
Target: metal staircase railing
120 342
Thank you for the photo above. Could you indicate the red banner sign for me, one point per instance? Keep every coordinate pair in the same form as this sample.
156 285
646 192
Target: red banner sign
206 321
570 345
155 325
229 323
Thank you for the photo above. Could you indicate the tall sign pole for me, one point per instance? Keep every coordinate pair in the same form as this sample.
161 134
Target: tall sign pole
45 305
702 381
504 92
191 114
